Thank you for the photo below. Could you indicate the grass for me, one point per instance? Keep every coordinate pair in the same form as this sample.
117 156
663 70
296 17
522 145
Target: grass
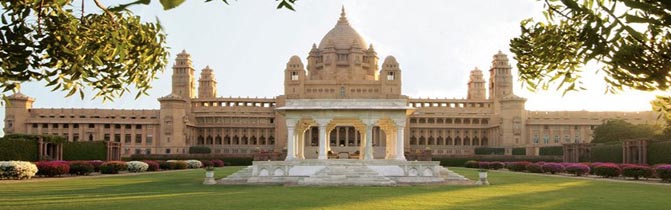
183 190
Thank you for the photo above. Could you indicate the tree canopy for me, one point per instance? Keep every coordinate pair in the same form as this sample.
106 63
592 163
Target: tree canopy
618 130
630 41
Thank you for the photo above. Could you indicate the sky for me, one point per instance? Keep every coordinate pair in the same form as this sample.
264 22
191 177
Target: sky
436 42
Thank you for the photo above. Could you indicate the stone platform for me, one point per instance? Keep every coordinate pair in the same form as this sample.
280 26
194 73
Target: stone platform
345 172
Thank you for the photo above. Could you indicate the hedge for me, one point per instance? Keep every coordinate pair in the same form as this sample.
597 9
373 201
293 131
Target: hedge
553 151
520 151
32 137
18 150
607 153
459 160
199 150
88 150
228 159
489 151
658 152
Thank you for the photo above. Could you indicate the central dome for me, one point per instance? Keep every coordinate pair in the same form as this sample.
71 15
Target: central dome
342 36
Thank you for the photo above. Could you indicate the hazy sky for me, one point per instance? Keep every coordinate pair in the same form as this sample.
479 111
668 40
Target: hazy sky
436 43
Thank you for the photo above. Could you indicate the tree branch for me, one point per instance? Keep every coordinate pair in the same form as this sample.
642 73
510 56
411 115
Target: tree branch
101 6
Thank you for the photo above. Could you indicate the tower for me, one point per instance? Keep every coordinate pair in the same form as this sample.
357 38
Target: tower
183 82
500 78
476 85
294 77
17 111
390 76
207 84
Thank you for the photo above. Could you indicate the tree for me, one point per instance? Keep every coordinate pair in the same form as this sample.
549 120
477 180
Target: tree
617 130
629 39
110 51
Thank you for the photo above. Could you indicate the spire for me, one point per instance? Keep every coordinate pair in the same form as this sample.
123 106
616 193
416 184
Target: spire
343 16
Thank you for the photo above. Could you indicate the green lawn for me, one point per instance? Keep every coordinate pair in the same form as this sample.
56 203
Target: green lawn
183 190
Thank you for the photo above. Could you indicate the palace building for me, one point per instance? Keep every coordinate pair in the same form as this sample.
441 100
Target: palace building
341 99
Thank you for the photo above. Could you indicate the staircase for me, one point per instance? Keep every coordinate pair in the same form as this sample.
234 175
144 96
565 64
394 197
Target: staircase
239 177
353 175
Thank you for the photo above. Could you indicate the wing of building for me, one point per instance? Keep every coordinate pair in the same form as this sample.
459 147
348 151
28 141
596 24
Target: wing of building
342 72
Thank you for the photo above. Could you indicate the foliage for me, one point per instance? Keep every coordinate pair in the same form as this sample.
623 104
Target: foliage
551 151
81 168
658 152
517 166
137 166
489 151
607 170
629 39
217 163
496 165
520 151
616 130
52 168
228 160
113 167
207 163
535 168
199 150
18 150
483 165
165 165
17 170
152 165
636 171
178 164
85 150
193 164
96 165
577 168
663 172
472 164
606 153
552 168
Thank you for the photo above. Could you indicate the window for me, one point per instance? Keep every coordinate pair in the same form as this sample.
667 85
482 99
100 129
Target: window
138 126
75 125
138 151
55 125
148 152
167 151
294 75
117 137
108 125
126 139
149 139
44 125
91 125
35 125
536 139
342 91
117 126
390 76
138 138
128 126
90 137
107 137
556 139
546 139
66 125
75 137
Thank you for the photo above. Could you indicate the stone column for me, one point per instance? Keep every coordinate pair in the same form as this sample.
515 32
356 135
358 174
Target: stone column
301 144
291 139
400 126
368 150
323 142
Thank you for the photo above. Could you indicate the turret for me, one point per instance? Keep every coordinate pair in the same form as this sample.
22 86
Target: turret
207 84
17 111
183 82
390 76
500 77
294 77
476 85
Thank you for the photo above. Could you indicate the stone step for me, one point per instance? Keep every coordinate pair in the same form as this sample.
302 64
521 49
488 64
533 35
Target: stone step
352 175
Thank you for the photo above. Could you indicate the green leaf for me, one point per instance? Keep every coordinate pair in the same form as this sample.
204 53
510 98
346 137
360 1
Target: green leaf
169 4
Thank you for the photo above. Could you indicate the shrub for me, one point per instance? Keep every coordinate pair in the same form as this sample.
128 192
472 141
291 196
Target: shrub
193 164
165 165
607 170
658 152
52 168
152 165
178 164
483 165
207 163
517 166
137 166
520 151
663 172
96 165
534 168
199 150
472 164
218 163
636 171
17 149
489 151
84 150
81 168
113 167
496 165
607 153
577 169
552 168
17 170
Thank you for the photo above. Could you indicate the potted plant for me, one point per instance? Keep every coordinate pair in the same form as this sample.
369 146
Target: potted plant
482 174
209 175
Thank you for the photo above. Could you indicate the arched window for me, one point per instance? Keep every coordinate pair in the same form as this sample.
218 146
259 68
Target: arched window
476 141
253 140
262 139
244 140
217 140
431 142
457 141
448 141
271 139
201 140
413 140
227 140
439 141
236 139
484 141
467 141
209 140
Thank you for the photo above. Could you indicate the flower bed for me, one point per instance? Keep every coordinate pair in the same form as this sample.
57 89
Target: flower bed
636 171
81 168
663 172
472 164
607 170
96 165
552 168
137 166
17 170
193 164
52 168
577 169
113 167
177 164
217 163
152 165
518 166
534 168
